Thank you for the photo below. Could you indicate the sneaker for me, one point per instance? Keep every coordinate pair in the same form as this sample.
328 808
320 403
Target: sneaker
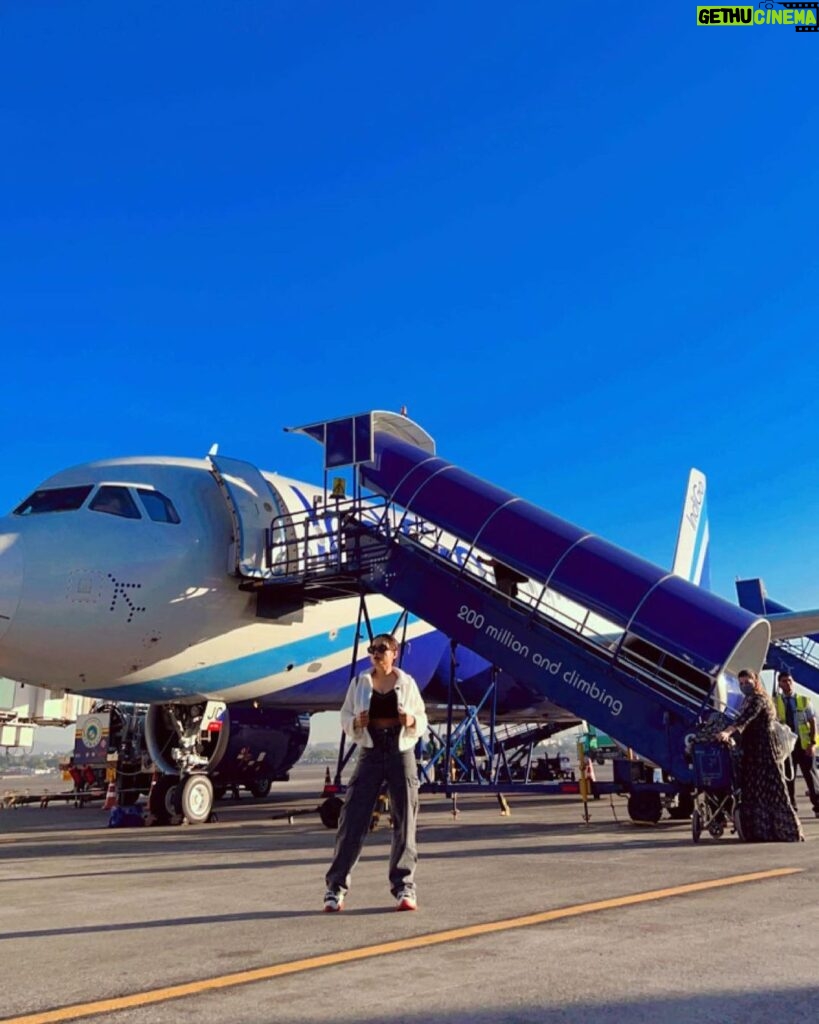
333 901
407 900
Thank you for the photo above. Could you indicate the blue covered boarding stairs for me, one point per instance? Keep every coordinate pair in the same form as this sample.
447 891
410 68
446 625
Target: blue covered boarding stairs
615 639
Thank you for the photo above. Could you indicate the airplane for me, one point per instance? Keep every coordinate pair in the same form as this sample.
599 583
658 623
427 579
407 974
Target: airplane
115 583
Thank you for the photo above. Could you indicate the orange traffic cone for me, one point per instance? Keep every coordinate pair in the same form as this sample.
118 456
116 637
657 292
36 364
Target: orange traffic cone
329 788
110 797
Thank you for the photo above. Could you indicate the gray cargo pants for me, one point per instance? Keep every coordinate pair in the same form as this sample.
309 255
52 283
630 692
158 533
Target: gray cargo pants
383 763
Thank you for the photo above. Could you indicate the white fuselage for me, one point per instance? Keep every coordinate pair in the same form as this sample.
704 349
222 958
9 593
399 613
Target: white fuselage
145 610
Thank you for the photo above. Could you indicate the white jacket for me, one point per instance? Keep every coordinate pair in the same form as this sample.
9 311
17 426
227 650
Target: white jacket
409 700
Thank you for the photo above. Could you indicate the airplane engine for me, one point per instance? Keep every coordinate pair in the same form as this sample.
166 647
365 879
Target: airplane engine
204 749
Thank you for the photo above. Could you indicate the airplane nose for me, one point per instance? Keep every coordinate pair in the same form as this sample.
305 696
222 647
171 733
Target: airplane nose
11 577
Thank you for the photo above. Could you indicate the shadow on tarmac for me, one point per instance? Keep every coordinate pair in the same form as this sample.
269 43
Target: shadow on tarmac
188 922
724 1007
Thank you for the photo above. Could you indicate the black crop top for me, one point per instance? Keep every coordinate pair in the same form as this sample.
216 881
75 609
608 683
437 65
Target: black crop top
384 705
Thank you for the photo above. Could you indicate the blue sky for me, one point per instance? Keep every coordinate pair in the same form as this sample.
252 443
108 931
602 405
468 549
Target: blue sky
578 241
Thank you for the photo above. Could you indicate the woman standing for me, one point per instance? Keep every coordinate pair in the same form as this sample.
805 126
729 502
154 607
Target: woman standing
765 809
384 713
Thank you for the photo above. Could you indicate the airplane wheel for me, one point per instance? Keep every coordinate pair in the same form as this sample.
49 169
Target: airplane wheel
696 825
330 811
162 799
196 799
260 787
645 807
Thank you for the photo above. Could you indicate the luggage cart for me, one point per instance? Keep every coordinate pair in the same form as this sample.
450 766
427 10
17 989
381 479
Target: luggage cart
716 790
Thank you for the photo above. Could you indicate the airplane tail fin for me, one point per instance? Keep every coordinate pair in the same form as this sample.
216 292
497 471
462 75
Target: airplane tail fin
691 556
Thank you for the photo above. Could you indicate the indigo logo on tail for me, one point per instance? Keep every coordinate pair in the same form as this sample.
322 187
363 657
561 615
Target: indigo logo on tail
691 554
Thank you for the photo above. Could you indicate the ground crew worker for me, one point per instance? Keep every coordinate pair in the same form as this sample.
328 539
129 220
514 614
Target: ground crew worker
796 711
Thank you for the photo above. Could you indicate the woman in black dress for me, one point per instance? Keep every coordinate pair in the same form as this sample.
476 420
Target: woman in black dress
765 809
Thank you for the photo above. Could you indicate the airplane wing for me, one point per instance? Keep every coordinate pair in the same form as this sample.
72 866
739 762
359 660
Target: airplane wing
785 623
790 625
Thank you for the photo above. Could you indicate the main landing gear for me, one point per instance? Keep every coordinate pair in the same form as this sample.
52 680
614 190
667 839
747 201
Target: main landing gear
173 800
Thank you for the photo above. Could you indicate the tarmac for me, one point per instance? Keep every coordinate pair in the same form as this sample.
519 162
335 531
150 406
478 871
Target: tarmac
538 916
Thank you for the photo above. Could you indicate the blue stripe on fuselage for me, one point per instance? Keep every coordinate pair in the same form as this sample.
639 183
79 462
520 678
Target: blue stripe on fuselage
248 669
421 656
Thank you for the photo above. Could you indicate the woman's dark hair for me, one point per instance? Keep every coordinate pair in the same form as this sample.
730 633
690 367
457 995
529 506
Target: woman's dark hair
746 673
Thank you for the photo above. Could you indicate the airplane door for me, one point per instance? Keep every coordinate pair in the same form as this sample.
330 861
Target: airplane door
252 505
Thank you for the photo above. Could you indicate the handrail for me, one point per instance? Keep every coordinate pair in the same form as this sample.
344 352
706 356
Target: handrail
330 544
802 648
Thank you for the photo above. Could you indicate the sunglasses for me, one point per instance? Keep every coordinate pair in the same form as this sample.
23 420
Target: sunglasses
378 648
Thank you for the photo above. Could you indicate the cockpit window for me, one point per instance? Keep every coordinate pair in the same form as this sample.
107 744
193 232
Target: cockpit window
57 499
158 507
116 501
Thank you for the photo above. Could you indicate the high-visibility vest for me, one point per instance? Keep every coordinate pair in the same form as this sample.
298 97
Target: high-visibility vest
805 722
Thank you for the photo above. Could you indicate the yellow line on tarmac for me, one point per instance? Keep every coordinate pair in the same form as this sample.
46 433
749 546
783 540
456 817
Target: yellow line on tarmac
161 995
